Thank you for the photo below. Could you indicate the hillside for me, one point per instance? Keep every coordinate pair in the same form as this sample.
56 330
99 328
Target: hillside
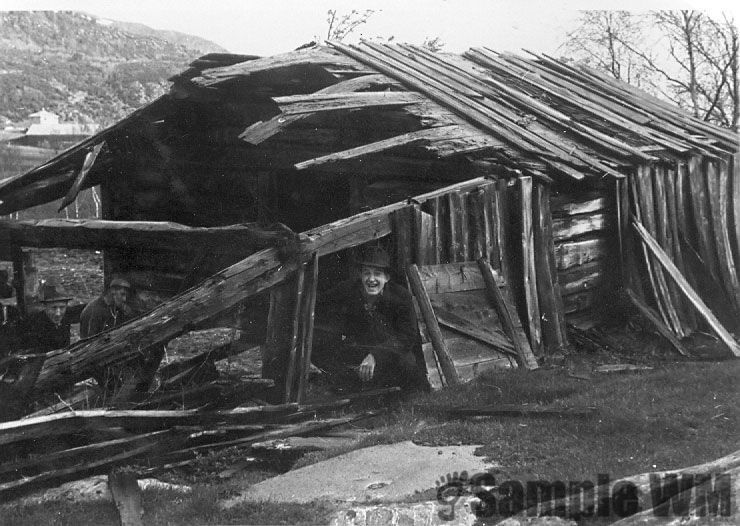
84 67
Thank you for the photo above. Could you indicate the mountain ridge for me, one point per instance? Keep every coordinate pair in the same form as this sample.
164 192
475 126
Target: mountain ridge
84 67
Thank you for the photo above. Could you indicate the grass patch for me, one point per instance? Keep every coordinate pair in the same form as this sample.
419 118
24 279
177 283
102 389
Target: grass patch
673 416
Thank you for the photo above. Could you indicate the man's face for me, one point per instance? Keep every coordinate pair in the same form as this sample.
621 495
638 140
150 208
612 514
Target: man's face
55 311
119 295
373 280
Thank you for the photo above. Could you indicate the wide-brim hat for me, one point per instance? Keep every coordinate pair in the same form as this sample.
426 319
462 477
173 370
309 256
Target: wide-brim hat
49 293
119 281
373 256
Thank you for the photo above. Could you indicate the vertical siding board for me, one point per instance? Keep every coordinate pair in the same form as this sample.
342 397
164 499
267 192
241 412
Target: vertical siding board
717 183
548 287
697 180
529 273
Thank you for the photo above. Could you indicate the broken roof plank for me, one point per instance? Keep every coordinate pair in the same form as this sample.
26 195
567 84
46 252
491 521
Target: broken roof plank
81 178
318 102
425 135
314 56
261 131
141 235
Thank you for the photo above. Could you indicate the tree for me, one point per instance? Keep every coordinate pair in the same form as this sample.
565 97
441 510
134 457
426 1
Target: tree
687 57
341 26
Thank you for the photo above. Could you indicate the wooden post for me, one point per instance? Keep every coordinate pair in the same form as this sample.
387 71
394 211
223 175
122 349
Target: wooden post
423 236
295 342
508 316
548 288
19 277
653 317
276 350
479 225
307 328
430 320
402 222
126 494
458 227
529 273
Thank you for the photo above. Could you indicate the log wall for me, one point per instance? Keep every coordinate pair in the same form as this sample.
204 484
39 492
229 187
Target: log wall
586 255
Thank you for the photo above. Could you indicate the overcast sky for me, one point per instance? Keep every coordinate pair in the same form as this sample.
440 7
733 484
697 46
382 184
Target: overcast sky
274 26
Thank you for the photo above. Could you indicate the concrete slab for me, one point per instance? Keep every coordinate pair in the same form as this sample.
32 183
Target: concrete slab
387 473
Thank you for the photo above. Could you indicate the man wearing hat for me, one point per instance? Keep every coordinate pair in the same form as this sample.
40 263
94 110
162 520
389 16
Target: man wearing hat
379 342
109 310
48 329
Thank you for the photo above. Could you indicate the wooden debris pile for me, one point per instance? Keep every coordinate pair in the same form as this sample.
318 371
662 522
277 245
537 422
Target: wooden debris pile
45 450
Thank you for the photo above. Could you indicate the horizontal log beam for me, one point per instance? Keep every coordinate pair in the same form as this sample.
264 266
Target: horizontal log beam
140 235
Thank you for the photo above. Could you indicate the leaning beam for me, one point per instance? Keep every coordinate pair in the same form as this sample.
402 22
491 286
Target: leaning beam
219 292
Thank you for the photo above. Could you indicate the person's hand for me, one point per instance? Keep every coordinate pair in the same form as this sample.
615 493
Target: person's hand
367 368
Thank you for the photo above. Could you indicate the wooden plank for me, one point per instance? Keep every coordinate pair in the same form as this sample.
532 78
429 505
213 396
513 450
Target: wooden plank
261 131
126 494
569 254
501 228
717 183
143 235
548 288
277 337
507 315
665 238
466 352
324 101
582 278
424 236
403 240
702 217
295 342
490 218
435 335
653 317
646 201
736 201
479 225
666 262
529 272
415 137
437 213
573 226
307 327
453 277
458 227
82 176
19 278
686 314
434 374
569 204
475 331
580 301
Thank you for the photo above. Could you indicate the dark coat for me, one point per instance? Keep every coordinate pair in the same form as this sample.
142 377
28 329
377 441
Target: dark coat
99 315
41 335
388 330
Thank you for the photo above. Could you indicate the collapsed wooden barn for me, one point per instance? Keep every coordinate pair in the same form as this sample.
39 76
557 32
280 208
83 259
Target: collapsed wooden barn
536 165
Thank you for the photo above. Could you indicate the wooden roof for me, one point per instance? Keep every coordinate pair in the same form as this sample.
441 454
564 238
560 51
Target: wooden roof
535 114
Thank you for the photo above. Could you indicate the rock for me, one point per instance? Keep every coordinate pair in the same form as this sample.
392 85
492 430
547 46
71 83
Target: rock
387 473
